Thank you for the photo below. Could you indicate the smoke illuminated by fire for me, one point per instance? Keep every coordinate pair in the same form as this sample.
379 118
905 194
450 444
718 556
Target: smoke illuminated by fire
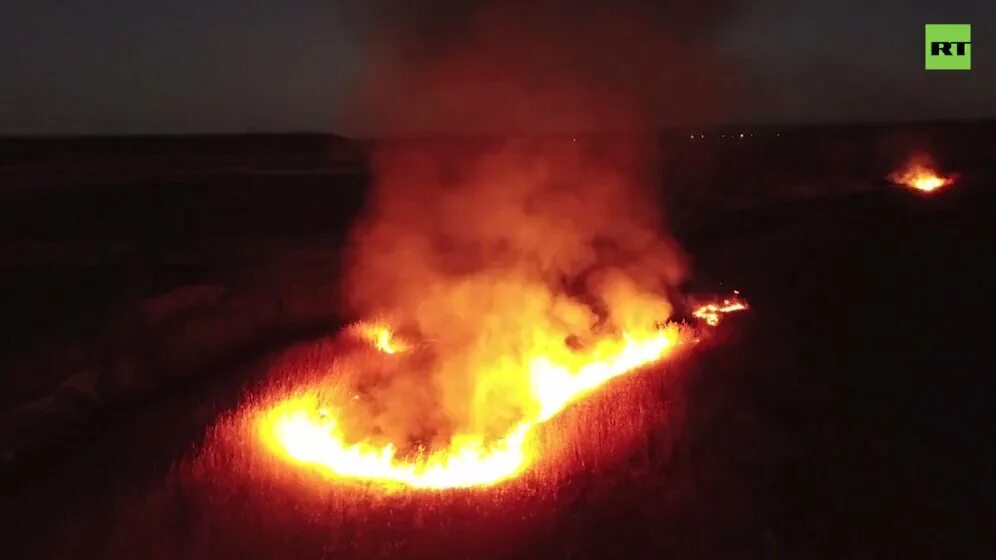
919 174
381 337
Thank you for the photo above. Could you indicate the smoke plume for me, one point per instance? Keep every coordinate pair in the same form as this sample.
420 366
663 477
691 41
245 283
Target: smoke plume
498 253
494 252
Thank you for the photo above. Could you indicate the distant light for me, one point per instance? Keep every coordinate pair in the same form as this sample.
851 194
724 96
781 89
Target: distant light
701 135
741 134
692 136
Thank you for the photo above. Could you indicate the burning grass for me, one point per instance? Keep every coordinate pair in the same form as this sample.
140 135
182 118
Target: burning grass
712 313
306 427
235 497
308 421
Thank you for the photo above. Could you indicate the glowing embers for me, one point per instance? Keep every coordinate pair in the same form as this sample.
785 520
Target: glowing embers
919 174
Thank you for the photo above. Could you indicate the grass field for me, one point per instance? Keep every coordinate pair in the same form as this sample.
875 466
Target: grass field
848 414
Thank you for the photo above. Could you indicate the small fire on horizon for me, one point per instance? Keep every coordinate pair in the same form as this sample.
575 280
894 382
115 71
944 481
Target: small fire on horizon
920 173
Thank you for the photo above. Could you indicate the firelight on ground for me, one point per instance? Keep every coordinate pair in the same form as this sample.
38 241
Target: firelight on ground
303 430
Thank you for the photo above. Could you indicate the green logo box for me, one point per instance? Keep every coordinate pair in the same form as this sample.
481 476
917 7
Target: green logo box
948 46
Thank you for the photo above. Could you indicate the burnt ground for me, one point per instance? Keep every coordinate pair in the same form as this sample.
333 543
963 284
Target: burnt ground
849 414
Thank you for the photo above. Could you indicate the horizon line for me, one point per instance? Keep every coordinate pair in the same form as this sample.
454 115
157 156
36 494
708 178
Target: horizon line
506 134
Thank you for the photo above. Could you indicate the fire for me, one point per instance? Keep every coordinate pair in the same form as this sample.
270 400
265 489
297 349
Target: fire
920 175
299 430
712 312
503 285
305 430
381 337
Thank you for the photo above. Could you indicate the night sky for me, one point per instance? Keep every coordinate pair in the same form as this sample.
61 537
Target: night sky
187 66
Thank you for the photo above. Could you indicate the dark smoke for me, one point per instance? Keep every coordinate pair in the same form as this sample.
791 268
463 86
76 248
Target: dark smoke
533 67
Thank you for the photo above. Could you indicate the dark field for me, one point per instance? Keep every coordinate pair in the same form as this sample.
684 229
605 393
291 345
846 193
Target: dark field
147 282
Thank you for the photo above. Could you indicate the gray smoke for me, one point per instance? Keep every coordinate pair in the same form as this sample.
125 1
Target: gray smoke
529 67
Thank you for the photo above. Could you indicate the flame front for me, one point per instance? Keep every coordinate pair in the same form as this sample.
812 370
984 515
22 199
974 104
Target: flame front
919 175
712 312
302 430
304 433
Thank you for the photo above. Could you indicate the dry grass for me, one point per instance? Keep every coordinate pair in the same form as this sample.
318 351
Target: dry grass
233 499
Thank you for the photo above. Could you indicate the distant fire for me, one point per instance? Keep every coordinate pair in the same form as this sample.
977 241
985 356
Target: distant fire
919 174
306 429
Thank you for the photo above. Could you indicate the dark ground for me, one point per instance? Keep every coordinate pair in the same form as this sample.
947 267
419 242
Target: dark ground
849 414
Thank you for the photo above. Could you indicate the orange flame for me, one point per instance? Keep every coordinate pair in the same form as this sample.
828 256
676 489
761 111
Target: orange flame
301 430
919 175
712 312
381 337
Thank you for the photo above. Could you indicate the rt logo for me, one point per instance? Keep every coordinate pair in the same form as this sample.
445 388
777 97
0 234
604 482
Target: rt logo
949 47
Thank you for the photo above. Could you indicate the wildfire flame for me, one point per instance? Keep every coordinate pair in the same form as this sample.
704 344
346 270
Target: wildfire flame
712 312
919 174
503 284
381 337
304 430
